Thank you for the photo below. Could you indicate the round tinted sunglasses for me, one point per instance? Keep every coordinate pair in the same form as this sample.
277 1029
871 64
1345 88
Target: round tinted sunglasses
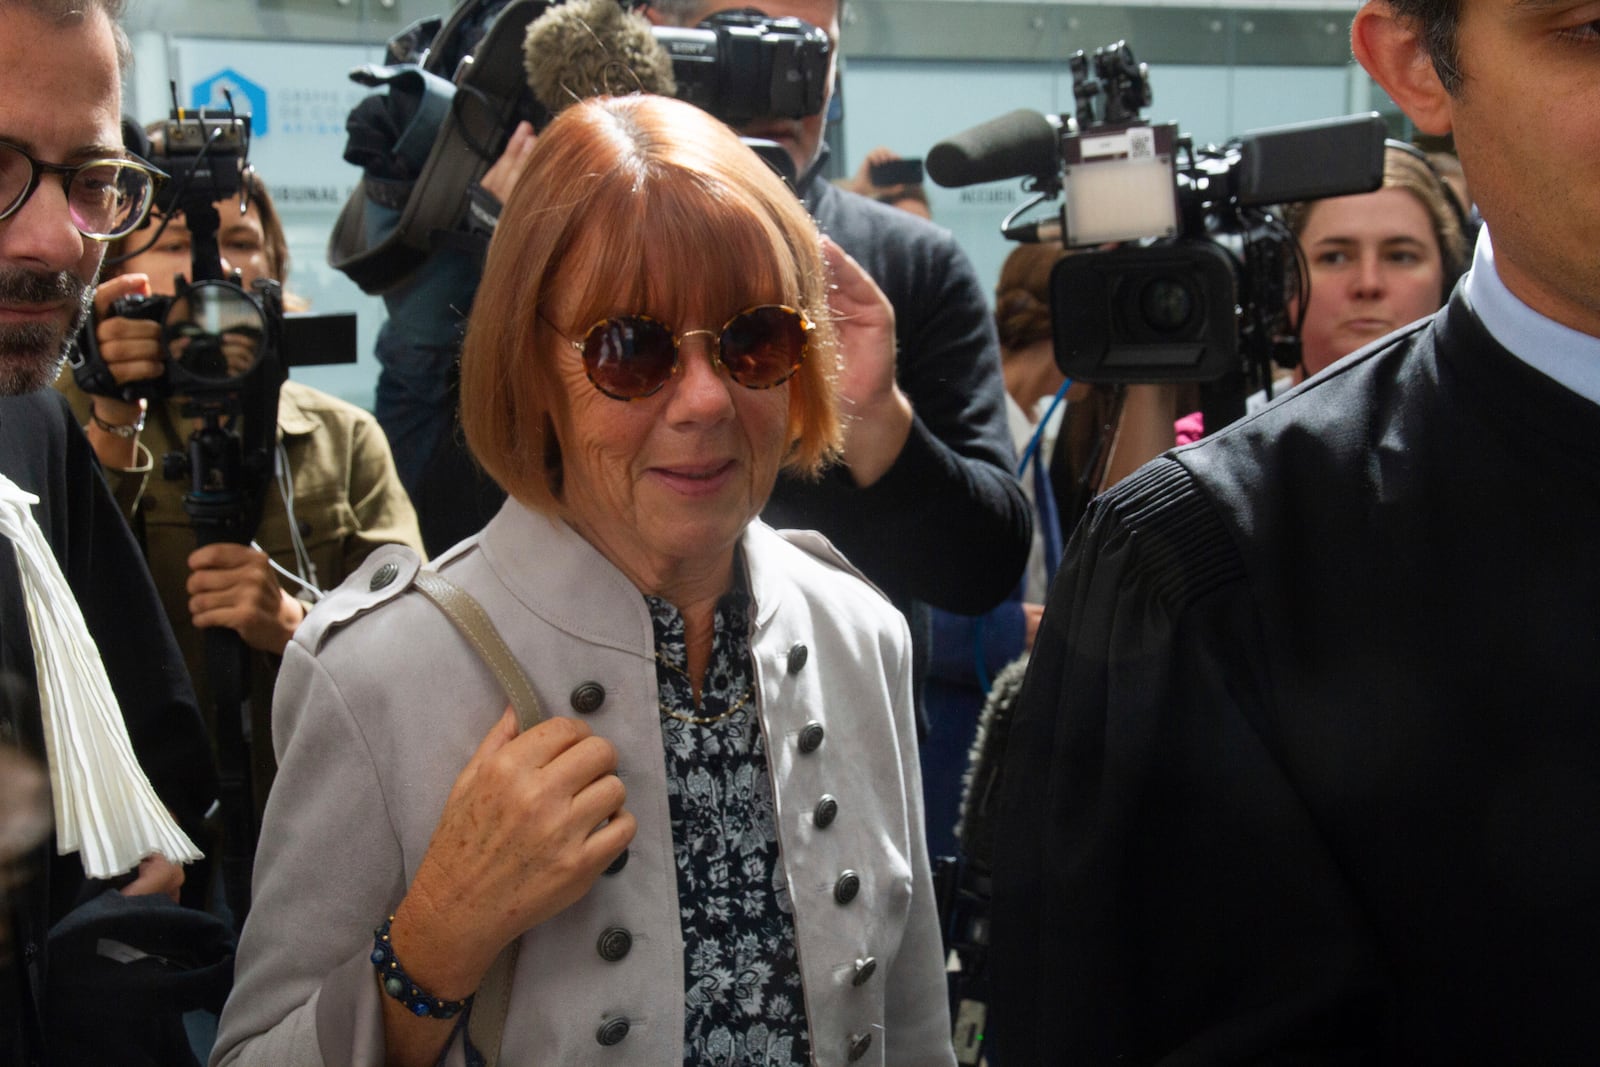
628 357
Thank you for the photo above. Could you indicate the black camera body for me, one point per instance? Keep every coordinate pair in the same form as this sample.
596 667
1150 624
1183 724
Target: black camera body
1159 313
216 323
743 65
1208 295
1184 272
736 64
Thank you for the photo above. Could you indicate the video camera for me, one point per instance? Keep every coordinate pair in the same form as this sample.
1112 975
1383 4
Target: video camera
743 65
1198 284
738 65
453 88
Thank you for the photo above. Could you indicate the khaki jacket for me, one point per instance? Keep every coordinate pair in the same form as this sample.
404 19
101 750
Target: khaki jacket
347 501
382 702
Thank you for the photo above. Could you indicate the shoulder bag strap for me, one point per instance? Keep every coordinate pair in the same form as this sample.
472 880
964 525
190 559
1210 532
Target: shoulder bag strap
468 616
486 1023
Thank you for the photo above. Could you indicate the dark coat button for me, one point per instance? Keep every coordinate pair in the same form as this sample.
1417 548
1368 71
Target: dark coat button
383 576
864 970
305 527
612 1031
859 1043
614 943
810 737
846 888
827 811
617 864
587 697
798 654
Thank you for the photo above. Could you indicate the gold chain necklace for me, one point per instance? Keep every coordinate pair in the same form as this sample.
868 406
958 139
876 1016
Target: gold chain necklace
701 720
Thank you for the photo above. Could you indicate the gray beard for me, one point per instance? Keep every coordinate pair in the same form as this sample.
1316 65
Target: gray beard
31 354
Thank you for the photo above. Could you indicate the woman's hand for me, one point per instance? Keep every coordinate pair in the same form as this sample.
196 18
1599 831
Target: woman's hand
877 415
234 586
530 824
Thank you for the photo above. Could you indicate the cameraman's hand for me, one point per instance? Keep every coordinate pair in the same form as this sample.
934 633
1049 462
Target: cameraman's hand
132 351
156 874
861 182
234 586
130 347
502 177
877 415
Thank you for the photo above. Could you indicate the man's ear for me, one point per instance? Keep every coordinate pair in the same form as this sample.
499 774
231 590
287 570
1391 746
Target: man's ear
1391 50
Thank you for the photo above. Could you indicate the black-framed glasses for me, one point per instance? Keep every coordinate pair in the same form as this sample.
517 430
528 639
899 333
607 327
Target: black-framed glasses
628 357
106 198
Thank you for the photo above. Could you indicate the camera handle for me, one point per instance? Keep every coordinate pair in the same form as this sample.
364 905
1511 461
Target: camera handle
203 220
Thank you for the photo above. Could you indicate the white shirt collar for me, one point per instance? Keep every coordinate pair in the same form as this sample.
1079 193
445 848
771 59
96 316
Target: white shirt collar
1560 352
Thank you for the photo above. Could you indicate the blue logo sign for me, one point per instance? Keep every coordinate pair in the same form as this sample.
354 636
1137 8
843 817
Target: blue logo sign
248 97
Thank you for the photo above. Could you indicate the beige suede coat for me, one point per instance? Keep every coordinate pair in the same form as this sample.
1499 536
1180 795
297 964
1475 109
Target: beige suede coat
381 703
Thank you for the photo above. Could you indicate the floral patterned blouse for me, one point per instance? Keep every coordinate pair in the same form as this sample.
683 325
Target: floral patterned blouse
743 1002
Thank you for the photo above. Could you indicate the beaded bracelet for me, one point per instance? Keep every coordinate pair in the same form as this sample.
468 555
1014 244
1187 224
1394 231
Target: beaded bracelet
398 984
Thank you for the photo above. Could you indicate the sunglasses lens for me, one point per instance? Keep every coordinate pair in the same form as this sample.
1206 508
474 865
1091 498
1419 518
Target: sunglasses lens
629 356
764 346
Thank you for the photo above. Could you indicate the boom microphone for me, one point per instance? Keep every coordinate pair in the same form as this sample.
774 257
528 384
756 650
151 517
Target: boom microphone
1020 144
585 48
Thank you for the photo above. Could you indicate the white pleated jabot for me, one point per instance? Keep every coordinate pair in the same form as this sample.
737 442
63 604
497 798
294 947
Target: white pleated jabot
105 807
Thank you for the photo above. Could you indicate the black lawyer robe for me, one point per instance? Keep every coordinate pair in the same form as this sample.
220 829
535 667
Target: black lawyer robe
1307 764
44 452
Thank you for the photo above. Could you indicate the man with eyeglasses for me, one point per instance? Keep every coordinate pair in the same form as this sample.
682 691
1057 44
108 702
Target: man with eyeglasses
105 197
66 187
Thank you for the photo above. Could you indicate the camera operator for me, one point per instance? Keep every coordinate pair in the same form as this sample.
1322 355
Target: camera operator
335 497
1377 261
59 102
924 502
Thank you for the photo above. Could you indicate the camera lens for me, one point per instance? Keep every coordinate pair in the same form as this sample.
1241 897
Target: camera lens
1166 304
